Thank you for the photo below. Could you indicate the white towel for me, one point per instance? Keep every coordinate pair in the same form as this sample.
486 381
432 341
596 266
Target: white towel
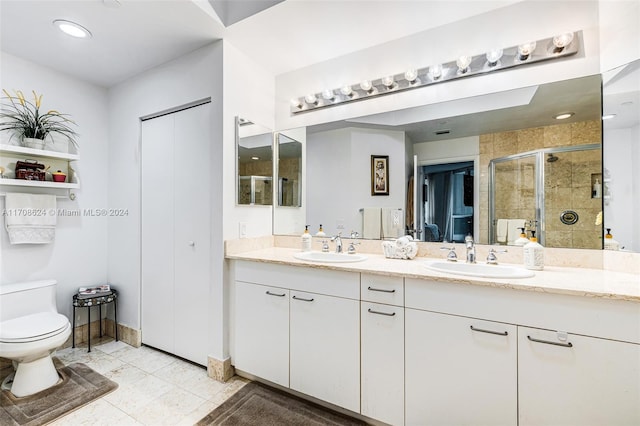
392 223
513 233
502 227
30 218
371 223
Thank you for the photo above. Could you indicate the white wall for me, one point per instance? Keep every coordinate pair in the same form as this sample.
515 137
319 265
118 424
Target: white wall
619 32
78 257
189 78
339 176
508 26
621 159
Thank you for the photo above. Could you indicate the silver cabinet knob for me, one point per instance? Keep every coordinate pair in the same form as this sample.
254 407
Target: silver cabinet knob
191 243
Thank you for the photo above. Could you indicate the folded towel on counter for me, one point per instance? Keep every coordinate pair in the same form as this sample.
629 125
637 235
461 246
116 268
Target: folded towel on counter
502 227
513 233
371 223
402 248
30 218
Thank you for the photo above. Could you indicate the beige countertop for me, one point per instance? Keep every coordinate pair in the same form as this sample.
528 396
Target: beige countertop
553 279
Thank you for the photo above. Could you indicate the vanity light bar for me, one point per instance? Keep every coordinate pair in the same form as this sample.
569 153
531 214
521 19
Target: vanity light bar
467 66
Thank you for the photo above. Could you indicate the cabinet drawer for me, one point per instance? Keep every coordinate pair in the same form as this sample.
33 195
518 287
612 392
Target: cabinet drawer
302 278
382 289
589 316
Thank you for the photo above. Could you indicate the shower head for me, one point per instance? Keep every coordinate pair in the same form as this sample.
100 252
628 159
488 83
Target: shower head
552 158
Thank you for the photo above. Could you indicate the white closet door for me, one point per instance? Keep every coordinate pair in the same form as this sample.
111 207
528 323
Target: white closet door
192 227
157 232
176 232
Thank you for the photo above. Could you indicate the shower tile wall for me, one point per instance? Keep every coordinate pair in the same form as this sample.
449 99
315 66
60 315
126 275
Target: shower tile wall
568 181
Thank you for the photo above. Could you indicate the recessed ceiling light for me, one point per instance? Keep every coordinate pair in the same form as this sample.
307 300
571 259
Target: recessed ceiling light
255 158
564 115
608 116
72 29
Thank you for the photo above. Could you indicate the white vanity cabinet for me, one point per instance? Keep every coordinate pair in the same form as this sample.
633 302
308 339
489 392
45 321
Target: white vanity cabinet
577 380
459 371
594 380
262 331
382 348
318 322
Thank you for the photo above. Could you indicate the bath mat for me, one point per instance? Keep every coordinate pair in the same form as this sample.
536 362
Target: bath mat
79 386
259 404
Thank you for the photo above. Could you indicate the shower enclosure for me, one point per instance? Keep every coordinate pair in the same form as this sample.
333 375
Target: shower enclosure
550 191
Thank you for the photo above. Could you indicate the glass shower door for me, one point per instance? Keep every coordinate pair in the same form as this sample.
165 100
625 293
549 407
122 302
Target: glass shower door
512 197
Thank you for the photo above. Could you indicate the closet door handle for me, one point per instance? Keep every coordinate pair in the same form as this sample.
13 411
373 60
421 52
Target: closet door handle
381 313
547 342
482 330
303 299
276 294
381 290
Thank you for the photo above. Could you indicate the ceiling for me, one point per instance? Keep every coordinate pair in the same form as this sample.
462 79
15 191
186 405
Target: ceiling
131 36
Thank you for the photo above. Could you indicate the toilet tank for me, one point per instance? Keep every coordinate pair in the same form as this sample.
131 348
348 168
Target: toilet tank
29 297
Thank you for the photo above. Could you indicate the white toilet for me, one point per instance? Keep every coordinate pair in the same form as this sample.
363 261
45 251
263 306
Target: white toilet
30 330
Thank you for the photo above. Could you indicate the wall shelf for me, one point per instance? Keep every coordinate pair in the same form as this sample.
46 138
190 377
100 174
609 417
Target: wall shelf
55 160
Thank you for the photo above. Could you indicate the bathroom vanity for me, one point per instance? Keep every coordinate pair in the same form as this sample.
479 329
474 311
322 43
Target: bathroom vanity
402 344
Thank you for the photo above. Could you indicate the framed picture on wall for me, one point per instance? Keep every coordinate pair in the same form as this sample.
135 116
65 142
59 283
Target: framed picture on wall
379 175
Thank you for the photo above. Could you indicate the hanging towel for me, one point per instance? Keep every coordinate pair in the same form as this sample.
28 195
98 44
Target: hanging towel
30 218
392 223
371 223
502 227
513 233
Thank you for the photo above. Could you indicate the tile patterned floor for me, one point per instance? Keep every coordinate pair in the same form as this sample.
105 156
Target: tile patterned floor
154 388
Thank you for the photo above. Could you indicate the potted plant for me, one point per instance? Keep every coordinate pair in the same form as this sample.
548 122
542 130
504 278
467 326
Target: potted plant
26 121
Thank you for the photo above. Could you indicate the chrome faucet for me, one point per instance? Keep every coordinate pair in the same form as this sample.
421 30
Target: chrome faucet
338 240
471 249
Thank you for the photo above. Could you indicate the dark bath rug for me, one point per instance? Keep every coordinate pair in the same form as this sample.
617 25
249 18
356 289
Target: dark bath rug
79 386
259 404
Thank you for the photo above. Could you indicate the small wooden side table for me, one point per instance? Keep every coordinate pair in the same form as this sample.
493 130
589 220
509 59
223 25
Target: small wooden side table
99 299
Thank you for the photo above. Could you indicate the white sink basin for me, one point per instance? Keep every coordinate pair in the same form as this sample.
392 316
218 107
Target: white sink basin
331 257
481 270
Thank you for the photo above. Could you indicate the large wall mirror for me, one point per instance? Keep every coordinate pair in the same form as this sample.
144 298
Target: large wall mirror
553 166
254 167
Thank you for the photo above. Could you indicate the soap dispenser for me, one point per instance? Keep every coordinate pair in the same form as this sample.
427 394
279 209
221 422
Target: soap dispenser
533 254
522 240
609 242
320 232
306 239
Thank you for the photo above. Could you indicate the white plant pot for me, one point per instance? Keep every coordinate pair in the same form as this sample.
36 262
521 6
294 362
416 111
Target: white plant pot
33 143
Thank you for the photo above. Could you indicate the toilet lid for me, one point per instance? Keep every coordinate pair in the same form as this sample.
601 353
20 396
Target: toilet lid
32 327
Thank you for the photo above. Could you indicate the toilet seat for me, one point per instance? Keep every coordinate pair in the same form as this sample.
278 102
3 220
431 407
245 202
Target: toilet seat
33 327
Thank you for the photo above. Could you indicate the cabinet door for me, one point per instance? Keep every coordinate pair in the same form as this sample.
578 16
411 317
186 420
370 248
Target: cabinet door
577 380
459 371
262 331
325 348
382 362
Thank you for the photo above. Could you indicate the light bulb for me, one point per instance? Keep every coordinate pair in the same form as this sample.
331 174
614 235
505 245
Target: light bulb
493 56
296 103
311 99
346 90
366 85
388 81
435 71
608 116
525 49
411 75
563 40
463 63
71 28
564 115
328 95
